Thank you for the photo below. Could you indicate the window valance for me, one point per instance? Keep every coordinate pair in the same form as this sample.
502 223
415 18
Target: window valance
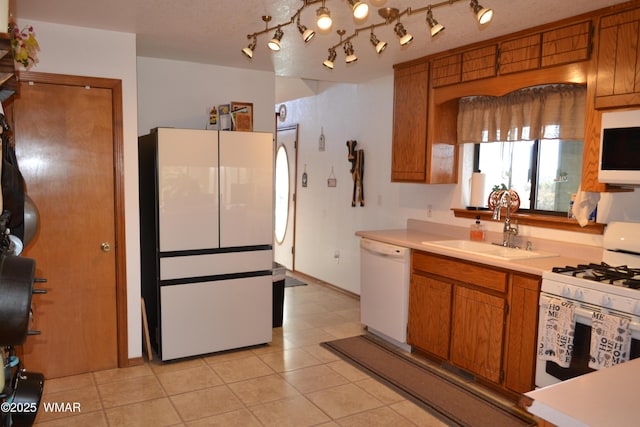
541 112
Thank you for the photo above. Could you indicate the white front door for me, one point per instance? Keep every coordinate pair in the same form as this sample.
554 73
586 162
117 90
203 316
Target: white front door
286 172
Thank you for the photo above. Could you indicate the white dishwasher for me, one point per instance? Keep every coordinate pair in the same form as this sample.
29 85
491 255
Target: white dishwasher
384 290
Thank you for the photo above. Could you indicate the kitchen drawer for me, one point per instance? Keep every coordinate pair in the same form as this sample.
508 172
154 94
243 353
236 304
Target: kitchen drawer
215 264
200 318
458 270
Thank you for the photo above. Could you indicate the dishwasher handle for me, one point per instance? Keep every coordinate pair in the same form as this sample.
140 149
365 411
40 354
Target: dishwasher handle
384 249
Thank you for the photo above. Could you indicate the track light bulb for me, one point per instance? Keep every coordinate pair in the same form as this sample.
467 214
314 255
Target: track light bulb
348 51
274 43
329 61
360 9
324 20
307 34
248 51
483 14
435 28
405 38
380 46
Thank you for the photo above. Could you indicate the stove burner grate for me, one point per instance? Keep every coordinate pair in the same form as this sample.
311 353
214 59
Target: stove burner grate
568 269
632 283
603 272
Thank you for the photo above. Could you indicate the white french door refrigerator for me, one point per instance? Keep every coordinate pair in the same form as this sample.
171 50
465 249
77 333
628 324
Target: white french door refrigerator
206 220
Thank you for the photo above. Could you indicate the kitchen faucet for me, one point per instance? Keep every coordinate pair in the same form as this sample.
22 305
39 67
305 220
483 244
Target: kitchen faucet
508 230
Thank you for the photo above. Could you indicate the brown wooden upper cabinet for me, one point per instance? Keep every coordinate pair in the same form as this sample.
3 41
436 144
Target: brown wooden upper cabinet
480 63
618 77
466 66
446 70
420 152
564 45
521 54
408 157
427 90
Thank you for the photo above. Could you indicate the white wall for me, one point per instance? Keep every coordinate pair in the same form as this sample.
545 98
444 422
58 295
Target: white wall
180 94
326 222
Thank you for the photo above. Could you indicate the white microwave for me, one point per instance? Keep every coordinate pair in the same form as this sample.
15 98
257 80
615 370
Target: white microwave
620 148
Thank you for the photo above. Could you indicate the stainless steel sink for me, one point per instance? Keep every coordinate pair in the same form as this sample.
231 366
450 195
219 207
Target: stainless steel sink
488 249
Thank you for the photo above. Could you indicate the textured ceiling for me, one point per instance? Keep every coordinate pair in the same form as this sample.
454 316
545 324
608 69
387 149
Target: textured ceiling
215 31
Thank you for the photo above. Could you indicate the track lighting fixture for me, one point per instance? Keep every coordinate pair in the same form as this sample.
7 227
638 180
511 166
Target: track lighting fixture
323 21
405 38
307 33
329 61
380 46
483 15
434 27
274 43
248 51
360 9
348 51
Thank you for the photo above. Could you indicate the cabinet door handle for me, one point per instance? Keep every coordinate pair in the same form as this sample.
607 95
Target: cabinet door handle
105 246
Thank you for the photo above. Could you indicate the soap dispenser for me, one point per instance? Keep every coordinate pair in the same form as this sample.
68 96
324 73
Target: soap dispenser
477 231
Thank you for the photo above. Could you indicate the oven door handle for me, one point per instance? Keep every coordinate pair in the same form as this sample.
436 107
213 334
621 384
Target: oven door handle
634 325
583 312
579 310
587 313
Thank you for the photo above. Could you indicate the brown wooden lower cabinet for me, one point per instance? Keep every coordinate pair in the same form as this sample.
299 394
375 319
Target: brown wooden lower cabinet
520 353
477 332
430 315
481 319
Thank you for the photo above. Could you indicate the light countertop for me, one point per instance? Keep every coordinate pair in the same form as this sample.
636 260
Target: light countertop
421 231
603 398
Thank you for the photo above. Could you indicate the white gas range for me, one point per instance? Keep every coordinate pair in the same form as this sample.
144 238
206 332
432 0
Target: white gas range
590 291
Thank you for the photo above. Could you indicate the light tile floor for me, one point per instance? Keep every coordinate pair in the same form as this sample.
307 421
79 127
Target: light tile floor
291 382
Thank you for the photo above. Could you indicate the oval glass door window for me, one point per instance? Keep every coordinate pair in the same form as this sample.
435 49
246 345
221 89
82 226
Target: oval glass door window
282 194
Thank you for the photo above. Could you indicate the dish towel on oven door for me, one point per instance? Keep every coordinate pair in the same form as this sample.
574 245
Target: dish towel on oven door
556 339
610 340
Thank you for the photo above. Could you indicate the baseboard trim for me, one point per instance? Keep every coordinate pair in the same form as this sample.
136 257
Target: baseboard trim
307 278
134 361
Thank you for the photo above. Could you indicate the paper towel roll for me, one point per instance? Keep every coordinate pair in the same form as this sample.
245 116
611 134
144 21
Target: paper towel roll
478 198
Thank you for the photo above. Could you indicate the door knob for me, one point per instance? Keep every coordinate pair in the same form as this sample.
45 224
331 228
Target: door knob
105 246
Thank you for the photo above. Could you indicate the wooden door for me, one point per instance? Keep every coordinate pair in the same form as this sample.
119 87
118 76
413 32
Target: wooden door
430 315
64 135
478 332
